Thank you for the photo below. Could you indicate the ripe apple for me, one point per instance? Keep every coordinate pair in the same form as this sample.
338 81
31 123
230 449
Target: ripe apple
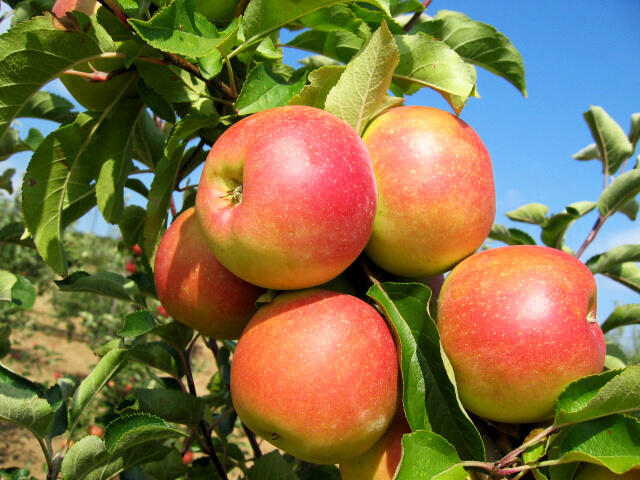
194 288
62 7
96 430
436 198
131 267
187 458
287 197
596 472
315 373
519 324
381 461
136 250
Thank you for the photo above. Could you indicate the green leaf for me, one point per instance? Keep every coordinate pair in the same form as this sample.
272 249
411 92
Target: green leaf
622 316
13 233
115 139
623 189
11 144
48 106
321 81
634 130
628 274
167 468
158 355
426 62
23 293
179 28
612 392
149 141
264 16
21 403
612 142
156 103
337 44
137 323
271 466
426 455
510 236
314 62
611 441
172 83
605 262
590 152
7 281
478 43
203 114
175 334
108 284
265 89
6 182
5 338
535 213
173 406
106 368
34 139
556 226
35 52
429 394
132 223
55 397
126 432
362 88
88 459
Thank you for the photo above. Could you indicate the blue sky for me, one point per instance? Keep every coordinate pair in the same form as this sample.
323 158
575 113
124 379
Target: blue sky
576 54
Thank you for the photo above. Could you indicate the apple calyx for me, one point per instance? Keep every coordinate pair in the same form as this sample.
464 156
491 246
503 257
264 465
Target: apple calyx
234 195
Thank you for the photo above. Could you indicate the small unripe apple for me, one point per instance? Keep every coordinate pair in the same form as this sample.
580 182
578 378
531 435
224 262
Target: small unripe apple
195 288
315 373
287 197
381 461
436 196
518 324
596 472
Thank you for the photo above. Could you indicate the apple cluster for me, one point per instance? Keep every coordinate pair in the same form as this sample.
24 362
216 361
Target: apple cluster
289 198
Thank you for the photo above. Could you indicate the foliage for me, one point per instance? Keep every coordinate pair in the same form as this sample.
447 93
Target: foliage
187 80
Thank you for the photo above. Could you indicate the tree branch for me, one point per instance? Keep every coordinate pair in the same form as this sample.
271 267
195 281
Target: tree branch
416 17
257 453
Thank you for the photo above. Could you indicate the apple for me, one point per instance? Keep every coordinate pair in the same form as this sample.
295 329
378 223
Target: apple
131 267
596 472
287 197
315 373
136 250
518 324
96 430
187 458
436 197
62 7
195 288
381 461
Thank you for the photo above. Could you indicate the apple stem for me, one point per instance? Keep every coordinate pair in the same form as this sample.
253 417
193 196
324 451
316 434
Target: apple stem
96 76
416 16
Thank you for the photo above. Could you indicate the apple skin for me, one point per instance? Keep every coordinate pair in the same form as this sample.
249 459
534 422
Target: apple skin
436 195
195 288
315 373
308 198
518 325
61 7
381 461
596 472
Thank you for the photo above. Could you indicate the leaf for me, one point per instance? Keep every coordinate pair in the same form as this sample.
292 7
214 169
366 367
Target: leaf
7 281
630 209
156 103
618 255
628 274
612 142
264 89
108 284
55 397
167 468
478 43
271 466
21 403
634 130
126 432
362 88
34 53
535 213
264 16
5 180
179 28
158 355
510 236
622 316
132 223
556 226
88 459
11 144
137 323
172 83
430 397
106 368
610 441
175 334
337 44
48 106
624 188
321 81
14 233
173 406
23 293
612 392
426 62
203 114
426 455
590 152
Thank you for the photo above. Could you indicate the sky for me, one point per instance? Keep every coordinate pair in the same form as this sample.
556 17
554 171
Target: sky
576 54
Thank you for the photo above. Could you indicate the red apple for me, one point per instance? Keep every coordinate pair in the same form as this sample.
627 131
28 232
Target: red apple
57 375
436 198
381 461
136 250
315 373
596 472
61 7
96 430
287 197
195 288
187 458
518 325
131 267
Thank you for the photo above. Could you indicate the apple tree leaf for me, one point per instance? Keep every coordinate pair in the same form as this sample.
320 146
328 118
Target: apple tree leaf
363 86
622 316
137 323
264 89
132 223
174 406
321 81
48 106
613 144
271 466
157 355
478 43
510 236
556 226
126 432
108 284
426 455
623 189
11 144
429 393
337 44
628 274
535 213
605 262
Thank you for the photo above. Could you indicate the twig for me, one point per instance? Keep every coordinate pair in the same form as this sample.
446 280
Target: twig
252 440
6 15
172 205
242 6
511 456
96 76
232 80
592 234
416 16
213 346
113 6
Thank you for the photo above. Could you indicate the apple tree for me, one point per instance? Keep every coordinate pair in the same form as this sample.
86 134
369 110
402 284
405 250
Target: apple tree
160 85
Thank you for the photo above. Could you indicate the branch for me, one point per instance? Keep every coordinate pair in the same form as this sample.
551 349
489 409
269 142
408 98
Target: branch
96 76
242 6
115 9
257 453
592 234
416 17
